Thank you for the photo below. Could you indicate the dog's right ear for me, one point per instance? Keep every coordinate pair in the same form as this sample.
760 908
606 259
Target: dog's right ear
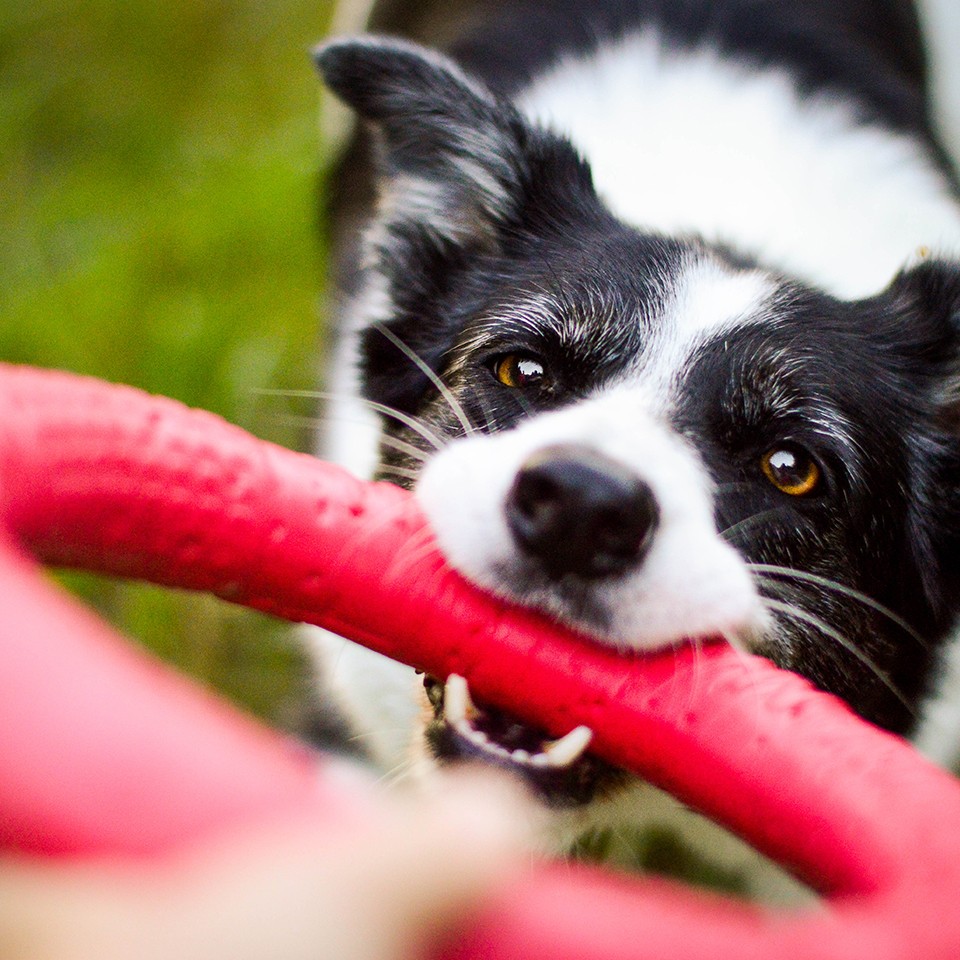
452 158
461 176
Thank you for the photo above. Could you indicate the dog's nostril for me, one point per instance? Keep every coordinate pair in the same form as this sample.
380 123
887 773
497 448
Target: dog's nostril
538 497
577 511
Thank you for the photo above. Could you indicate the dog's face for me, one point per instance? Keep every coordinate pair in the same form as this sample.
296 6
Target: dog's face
648 437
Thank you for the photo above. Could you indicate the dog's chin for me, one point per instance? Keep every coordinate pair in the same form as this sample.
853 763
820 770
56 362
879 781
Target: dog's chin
561 772
573 601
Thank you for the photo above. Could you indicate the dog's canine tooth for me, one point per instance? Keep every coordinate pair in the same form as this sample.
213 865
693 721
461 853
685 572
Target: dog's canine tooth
563 752
457 704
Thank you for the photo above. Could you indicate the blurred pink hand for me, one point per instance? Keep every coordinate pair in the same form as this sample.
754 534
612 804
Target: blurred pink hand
389 893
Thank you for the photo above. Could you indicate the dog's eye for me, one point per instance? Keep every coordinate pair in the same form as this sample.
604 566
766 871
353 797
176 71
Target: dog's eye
519 370
791 469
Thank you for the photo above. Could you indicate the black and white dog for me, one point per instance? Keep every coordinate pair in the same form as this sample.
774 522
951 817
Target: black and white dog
656 311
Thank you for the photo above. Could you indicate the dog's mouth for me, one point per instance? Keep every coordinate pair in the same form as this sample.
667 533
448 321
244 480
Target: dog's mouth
560 771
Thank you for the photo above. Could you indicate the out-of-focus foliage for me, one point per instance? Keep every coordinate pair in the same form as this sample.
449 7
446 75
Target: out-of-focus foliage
159 168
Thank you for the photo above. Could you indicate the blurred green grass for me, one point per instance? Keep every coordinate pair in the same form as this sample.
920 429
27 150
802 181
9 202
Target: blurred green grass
159 171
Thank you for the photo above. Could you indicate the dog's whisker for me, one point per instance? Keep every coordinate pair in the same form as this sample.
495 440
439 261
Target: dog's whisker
299 394
799 613
298 420
415 424
735 529
414 556
429 373
734 485
736 644
697 643
316 423
837 587
491 423
412 451
397 773
735 641
360 736
418 540
417 549
394 469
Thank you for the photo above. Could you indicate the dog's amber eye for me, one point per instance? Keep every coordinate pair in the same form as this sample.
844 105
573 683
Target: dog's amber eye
519 370
791 469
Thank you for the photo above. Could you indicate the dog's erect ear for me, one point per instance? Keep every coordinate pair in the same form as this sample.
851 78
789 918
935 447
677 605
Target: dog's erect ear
925 320
451 153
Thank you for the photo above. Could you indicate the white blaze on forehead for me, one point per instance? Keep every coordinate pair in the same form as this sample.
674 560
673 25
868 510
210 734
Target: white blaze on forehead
711 297
708 300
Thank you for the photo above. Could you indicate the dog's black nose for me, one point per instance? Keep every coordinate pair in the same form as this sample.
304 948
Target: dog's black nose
577 511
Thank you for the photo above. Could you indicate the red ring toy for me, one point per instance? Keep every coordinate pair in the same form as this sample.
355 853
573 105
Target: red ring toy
105 751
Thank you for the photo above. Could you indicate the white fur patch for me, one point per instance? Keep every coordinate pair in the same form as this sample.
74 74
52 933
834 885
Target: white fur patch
685 142
350 434
938 733
709 298
377 696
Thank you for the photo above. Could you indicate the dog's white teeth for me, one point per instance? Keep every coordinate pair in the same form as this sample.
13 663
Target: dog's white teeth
461 712
457 704
563 752
481 740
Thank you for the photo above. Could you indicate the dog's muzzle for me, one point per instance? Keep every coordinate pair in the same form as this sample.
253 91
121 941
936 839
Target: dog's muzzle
576 511
576 516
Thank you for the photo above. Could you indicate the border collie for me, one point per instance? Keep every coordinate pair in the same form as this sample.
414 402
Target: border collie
654 308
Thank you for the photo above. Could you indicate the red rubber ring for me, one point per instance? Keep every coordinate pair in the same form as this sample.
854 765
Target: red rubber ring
106 752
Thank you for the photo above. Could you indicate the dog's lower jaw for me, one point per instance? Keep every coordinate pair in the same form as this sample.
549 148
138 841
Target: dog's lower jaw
560 772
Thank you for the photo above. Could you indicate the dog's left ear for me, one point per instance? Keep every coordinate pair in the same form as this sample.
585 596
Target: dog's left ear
931 288
915 324
923 308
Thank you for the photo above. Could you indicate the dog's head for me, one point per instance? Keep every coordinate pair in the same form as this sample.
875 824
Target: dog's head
649 437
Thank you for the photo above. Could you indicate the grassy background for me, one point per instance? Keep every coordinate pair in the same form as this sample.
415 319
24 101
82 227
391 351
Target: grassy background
159 171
